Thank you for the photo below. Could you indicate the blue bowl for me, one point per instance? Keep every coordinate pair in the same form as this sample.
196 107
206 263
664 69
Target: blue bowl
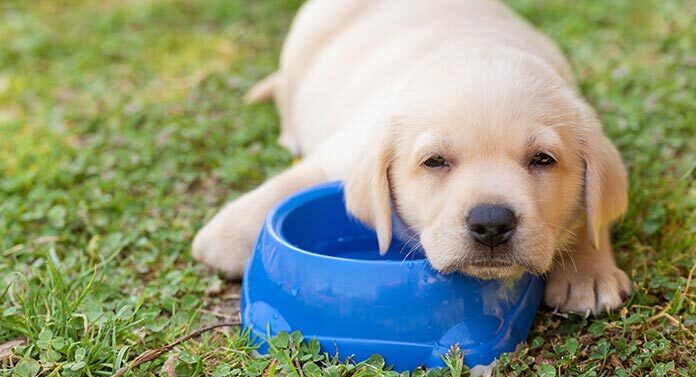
317 270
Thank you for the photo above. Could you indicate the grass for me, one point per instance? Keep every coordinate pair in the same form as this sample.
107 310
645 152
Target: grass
122 130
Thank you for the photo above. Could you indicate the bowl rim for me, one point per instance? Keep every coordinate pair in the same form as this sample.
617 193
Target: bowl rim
282 209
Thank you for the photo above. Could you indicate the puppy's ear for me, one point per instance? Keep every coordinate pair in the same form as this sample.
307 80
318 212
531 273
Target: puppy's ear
367 190
605 178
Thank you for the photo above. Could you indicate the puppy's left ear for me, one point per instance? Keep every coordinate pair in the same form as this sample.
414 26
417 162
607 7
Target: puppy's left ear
367 188
605 178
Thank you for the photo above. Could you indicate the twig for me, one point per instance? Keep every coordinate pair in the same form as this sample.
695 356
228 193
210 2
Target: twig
266 372
661 313
231 296
675 322
297 362
671 319
7 347
152 354
645 307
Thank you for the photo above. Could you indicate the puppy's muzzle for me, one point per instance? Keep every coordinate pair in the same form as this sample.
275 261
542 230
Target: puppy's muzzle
491 225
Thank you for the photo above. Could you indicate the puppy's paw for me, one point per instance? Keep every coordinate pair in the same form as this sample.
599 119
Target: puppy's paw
226 242
590 291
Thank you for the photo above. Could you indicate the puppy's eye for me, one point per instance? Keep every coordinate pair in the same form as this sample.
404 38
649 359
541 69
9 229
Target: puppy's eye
541 159
436 162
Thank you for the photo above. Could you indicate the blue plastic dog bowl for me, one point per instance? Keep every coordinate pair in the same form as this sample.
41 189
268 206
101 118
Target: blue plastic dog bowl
317 270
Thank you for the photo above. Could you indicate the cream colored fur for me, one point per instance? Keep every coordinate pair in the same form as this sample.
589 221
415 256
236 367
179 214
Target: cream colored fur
367 90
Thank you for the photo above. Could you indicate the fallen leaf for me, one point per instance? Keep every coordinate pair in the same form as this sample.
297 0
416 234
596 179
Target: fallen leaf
168 369
7 347
616 362
214 289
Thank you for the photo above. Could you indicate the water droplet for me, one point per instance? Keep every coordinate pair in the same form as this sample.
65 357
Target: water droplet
295 291
276 315
409 264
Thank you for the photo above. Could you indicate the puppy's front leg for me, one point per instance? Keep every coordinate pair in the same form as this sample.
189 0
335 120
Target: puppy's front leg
226 241
588 281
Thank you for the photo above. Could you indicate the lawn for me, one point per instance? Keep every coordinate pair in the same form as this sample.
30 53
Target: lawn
122 130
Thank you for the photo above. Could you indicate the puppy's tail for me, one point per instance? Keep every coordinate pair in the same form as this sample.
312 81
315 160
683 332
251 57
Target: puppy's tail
263 90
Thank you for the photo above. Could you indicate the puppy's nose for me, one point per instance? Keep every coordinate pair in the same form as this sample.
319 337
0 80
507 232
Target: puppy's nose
491 224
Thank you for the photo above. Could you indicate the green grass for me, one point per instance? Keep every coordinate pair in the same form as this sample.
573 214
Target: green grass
122 130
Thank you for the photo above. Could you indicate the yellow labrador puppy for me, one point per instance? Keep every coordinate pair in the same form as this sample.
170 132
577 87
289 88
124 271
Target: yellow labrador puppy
461 119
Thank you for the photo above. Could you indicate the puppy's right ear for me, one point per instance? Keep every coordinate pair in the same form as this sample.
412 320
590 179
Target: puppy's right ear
367 190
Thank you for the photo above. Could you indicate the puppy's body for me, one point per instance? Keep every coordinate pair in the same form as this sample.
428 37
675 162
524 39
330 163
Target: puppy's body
344 60
371 91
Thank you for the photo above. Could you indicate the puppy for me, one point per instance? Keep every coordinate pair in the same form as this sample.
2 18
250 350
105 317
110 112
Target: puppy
459 118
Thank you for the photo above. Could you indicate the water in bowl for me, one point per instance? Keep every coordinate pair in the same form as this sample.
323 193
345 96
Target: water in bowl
322 226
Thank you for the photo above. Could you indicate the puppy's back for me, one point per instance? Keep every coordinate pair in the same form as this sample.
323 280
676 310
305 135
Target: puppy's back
343 59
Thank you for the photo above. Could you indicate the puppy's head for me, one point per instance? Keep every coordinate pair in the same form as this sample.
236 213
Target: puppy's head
494 161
